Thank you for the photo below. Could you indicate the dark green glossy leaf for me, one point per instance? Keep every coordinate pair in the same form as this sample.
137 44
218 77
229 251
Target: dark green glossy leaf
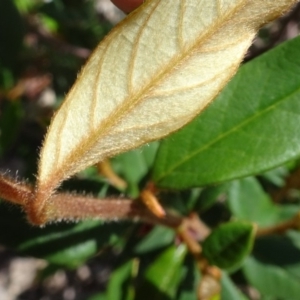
163 275
251 127
229 244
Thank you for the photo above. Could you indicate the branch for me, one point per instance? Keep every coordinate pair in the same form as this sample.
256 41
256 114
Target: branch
281 228
14 191
68 207
71 207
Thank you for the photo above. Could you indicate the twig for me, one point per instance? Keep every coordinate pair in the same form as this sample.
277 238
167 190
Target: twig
294 223
14 191
70 207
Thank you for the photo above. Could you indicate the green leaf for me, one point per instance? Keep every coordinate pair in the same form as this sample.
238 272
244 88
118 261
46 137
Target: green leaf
162 277
229 291
248 201
274 268
251 127
134 165
294 236
157 238
210 195
118 288
272 280
229 244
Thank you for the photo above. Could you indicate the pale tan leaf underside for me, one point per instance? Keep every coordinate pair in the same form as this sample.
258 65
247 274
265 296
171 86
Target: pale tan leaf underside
151 75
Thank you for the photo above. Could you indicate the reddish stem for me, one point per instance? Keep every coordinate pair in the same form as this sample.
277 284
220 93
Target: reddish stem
15 192
71 207
74 207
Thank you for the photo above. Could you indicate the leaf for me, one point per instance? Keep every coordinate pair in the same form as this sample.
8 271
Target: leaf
162 277
142 159
274 268
228 245
118 288
210 195
229 290
250 128
157 238
294 236
272 280
248 201
155 72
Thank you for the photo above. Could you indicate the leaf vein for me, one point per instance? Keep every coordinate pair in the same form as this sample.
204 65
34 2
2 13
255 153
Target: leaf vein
135 49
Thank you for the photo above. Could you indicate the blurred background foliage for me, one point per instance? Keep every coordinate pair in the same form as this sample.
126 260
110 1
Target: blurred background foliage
43 45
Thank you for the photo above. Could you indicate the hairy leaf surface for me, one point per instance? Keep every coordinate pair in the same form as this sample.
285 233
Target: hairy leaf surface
156 71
